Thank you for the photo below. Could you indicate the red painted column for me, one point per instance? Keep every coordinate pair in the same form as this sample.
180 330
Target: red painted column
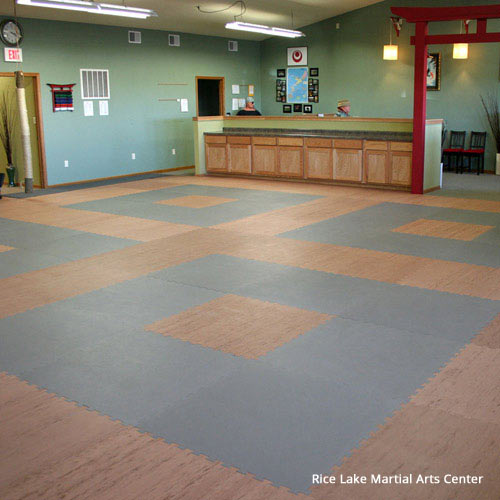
419 108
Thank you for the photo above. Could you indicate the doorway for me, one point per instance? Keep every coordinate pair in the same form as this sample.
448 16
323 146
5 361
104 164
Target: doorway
210 96
33 105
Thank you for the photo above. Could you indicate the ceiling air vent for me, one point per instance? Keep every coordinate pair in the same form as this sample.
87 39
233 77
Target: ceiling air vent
134 37
232 46
174 40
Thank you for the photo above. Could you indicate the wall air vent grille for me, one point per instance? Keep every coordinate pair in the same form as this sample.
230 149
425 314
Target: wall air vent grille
134 37
95 83
174 40
232 46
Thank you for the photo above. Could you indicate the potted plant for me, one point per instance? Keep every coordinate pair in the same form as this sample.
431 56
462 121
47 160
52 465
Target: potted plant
7 129
490 105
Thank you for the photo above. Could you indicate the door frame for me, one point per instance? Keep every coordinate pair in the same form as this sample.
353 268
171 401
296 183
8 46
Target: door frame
222 92
39 124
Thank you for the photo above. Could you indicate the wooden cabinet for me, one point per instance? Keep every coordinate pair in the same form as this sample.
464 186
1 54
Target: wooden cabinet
348 165
215 153
318 158
291 157
239 155
264 156
400 169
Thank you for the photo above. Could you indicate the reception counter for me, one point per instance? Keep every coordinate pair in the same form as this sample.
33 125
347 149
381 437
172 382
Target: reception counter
371 152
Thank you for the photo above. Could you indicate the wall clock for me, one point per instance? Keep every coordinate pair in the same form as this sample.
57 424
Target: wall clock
11 32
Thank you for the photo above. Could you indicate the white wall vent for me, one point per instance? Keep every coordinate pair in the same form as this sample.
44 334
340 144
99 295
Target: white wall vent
232 46
134 37
174 40
95 83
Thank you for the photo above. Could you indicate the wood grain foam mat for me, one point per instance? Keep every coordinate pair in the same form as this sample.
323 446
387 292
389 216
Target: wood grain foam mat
240 325
53 448
37 288
444 229
5 248
119 226
451 426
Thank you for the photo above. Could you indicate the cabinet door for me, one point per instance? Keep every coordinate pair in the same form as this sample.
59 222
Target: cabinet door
319 163
348 165
215 157
290 161
265 160
239 158
376 167
400 169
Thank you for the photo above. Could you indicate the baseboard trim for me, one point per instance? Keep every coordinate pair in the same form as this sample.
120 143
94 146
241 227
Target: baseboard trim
430 190
162 171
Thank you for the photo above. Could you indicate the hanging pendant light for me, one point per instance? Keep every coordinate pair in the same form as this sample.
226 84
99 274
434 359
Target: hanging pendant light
391 50
461 50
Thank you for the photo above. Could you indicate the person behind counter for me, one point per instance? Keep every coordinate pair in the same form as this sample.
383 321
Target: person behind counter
343 108
249 109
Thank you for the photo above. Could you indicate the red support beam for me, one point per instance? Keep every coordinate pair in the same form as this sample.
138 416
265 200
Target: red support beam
419 108
431 14
470 38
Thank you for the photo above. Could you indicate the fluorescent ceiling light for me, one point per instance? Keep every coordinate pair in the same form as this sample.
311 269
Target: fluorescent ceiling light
92 7
267 30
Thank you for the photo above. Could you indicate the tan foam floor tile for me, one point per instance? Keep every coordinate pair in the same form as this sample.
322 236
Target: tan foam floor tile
53 449
420 440
444 229
159 182
5 248
44 286
290 218
195 201
89 194
490 335
239 325
469 385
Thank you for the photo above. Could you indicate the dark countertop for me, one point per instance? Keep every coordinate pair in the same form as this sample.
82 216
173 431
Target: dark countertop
327 134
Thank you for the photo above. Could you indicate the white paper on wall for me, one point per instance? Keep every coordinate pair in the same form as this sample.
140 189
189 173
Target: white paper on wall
241 103
235 106
88 108
235 89
184 105
103 108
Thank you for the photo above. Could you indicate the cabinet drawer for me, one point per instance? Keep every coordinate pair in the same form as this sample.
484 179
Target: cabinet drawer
264 141
238 140
376 145
348 144
215 139
401 146
291 141
318 142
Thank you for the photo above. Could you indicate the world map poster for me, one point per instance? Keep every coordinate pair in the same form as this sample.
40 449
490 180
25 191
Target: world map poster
297 85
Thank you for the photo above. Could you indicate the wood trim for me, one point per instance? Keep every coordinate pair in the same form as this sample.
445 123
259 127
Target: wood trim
434 121
430 190
316 118
206 118
188 167
42 167
222 94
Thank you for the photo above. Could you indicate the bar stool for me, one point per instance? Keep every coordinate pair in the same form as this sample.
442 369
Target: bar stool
456 149
476 151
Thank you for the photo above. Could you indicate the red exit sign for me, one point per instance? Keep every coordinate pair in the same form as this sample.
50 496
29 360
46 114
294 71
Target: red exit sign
13 55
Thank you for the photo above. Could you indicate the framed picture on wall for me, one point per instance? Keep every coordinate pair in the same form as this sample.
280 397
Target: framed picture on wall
308 108
434 71
313 71
280 73
297 108
287 108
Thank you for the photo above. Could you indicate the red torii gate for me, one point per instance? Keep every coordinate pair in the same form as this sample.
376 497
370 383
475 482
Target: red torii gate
421 16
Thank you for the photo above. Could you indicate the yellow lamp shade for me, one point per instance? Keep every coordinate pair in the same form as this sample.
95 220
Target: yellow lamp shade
390 52
460 50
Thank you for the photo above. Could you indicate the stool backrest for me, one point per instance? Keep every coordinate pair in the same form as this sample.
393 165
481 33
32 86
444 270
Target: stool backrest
457 139
477 140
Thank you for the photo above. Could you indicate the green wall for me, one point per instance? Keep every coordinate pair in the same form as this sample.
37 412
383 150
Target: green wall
101 146
351 66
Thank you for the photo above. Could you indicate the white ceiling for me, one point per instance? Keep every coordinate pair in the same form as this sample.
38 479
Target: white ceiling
183 16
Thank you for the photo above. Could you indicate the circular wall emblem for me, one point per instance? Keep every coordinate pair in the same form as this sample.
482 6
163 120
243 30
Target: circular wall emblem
297 56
